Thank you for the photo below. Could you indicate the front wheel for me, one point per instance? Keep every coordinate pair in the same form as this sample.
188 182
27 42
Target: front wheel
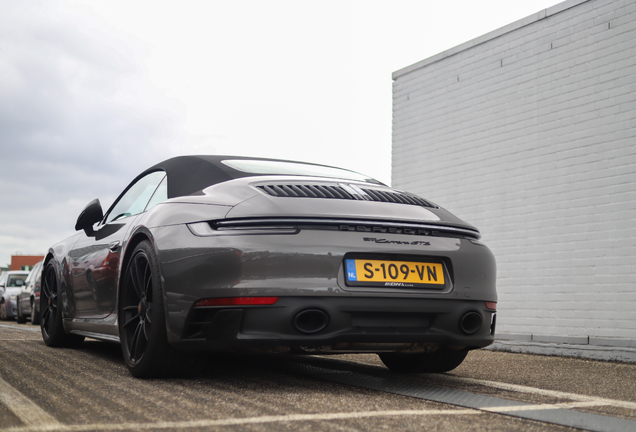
442 360
50 304
142 320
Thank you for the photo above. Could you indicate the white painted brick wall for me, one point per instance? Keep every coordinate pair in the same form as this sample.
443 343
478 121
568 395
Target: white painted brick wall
529 133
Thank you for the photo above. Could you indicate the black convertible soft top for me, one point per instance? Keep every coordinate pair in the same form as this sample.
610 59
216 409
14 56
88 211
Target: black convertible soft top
189 175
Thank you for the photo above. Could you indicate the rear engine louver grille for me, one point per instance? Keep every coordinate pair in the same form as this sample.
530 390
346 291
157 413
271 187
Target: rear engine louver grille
339 192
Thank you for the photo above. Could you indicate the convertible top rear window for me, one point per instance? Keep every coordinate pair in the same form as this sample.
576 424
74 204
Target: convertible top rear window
255 166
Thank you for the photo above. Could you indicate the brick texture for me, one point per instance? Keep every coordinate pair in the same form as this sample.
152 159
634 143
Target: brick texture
529 133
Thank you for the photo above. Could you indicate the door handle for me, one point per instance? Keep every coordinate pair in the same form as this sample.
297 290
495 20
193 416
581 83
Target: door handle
113 246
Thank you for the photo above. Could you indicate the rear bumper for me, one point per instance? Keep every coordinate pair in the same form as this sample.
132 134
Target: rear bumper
12 309
340 324
306 270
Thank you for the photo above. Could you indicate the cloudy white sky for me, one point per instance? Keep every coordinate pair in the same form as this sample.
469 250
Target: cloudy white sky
94 92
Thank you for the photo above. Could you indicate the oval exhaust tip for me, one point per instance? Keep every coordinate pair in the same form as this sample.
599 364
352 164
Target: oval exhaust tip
310 321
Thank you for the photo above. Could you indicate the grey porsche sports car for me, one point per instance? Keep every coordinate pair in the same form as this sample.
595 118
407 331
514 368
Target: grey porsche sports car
223 253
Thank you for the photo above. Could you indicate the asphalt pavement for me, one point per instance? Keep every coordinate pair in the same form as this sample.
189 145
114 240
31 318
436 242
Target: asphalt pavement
90 389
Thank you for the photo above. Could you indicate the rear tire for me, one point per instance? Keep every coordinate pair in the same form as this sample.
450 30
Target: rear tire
35 315
51 306
142 321
442 360
21 319
3 311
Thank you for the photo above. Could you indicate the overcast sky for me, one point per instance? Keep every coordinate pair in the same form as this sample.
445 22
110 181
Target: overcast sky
94 92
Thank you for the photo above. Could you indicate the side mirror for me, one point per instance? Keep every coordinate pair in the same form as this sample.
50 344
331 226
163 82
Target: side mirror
91 214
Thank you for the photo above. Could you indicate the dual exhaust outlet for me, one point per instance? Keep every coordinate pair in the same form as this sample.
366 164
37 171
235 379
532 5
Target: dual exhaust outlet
311 321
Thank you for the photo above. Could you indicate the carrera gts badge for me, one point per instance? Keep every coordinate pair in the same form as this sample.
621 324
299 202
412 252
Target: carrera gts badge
385 241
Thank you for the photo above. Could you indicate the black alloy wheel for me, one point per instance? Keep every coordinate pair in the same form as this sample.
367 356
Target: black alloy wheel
142 321
441 360
137 307
50 304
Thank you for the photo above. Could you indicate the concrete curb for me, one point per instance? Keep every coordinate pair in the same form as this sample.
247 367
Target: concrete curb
592 352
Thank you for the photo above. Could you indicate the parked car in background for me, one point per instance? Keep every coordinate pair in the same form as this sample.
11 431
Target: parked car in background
10 284
29 297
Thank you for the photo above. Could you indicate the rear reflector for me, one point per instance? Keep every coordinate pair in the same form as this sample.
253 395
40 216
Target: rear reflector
491 305
236 301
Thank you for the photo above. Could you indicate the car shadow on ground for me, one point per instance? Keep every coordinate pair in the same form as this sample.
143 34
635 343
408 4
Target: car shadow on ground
236 364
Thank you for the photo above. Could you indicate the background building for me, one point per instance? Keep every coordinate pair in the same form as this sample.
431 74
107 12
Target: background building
529 133
24 262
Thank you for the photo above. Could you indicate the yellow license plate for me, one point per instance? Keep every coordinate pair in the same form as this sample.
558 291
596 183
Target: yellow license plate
394 273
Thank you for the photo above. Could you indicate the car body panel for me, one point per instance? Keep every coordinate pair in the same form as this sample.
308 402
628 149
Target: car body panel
94 267
232 239
244 200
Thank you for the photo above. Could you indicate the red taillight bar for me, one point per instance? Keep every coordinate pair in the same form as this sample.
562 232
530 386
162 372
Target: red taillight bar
491 305
236 301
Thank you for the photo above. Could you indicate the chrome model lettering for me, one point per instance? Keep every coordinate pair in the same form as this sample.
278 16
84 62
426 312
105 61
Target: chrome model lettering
400 242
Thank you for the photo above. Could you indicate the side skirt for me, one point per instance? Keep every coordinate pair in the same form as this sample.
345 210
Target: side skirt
99 336
103 329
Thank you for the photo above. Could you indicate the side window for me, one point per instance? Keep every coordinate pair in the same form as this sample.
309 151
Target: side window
160 195
30 277
134 201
